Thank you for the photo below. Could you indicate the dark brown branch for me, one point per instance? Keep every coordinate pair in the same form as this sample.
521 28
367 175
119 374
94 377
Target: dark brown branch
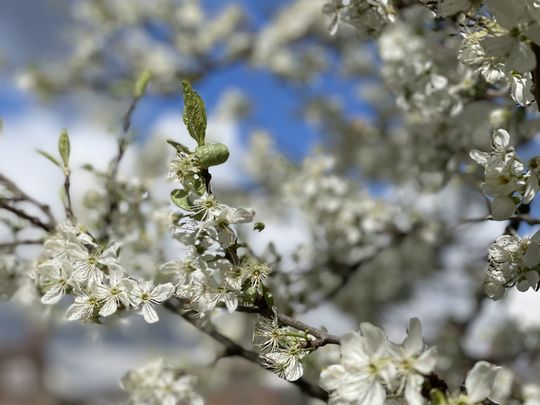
536 74
24 215
15 243
20 195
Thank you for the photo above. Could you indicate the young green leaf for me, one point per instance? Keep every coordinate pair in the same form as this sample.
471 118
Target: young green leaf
50 157
141 83
194 113
180 199
64 147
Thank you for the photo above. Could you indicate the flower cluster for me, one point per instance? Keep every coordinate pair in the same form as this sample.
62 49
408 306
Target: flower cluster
372 367
206 279
513 261
366 15
500 46
506 179
353 222
281 348
73 262
211 273
158 383
426 88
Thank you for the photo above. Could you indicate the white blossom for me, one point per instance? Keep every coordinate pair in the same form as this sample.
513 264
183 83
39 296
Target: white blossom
145 294
364 369
159 383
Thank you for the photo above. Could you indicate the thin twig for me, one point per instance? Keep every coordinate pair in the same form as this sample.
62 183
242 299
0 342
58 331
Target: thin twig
24 215
350 270
521 218
323 338
67 191
115 166
22 196
15 243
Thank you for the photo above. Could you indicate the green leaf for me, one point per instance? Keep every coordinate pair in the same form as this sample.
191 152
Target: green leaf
438 397
199 185
178 146
141 83
194 113
212 154
64 147
259 226
50 157
180 199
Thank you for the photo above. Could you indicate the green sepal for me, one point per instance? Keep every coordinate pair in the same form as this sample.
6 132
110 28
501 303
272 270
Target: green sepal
64 147
268 298
180 199
438 397
141 83
178 146
200 186
212 154
49 157
194 113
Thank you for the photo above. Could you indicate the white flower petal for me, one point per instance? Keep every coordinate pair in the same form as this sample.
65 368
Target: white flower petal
162 292
502 208
149 314
426 361
479 157
501 139
413 390
352 349
109 307
53 295
480 379
413 343
332 376
375 338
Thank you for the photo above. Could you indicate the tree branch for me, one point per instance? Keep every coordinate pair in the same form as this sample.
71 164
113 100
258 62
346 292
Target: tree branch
234 349
115 165
67 191
22 196
15 243
323 338
4 203
517 218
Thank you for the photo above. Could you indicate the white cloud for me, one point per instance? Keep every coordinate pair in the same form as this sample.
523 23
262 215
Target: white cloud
37 176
